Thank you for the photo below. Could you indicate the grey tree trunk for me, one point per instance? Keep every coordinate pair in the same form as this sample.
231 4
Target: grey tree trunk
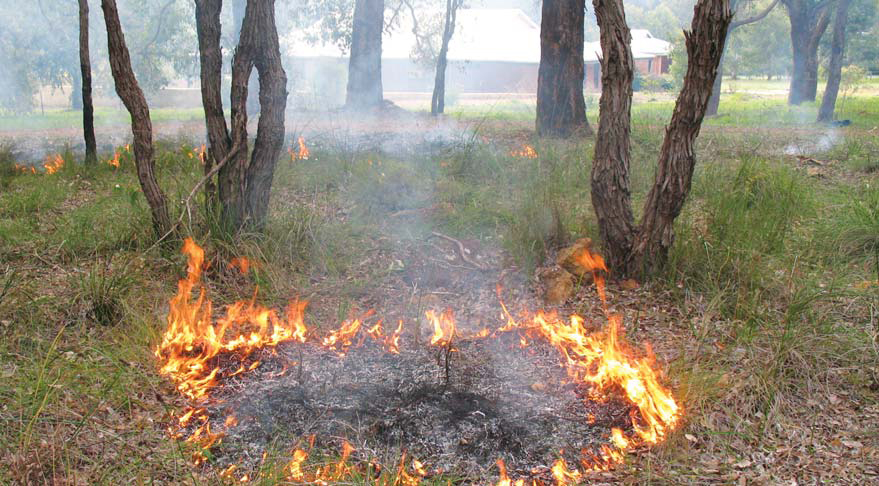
808 22
85 67
438 99
561 110
141 125
364 89
834 69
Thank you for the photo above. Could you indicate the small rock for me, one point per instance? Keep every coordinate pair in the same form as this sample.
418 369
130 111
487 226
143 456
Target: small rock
568 258
558 285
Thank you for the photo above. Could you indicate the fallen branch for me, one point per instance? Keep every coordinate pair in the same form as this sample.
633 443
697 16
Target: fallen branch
462 251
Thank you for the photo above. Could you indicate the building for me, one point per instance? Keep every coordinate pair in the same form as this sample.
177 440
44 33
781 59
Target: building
649 53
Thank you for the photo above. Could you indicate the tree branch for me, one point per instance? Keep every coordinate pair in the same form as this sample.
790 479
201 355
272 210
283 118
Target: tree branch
756 18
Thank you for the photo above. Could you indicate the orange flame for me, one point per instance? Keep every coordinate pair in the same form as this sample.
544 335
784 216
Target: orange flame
526 151
443 327
301 154
53 163
193 339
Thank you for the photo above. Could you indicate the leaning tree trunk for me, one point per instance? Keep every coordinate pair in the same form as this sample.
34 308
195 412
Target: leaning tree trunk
834 70
610 165
208 28
561 109
141 126
438 99
677 158
630 249
88 109
365 65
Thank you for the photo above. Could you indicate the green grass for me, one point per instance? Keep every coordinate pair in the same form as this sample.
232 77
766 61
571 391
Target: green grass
56 119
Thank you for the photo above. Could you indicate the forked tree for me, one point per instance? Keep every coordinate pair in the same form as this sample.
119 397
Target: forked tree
364 89
638 249
834 68
561 109
808 22
85 67
141 125
243 182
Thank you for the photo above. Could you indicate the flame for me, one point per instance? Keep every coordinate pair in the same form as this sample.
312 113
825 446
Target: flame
26 168
443 327
53 163
193 339
194 344
241 263
526 151
301 154
114 162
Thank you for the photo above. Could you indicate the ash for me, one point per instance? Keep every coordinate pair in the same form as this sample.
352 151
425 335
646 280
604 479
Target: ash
499 400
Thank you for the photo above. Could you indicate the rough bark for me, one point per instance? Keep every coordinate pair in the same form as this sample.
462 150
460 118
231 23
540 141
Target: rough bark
610 165
561 109
808 21
243 183
677 158
714 101
141 125
273 102
208 28
85 67
631 249
438 99
834 69
364 89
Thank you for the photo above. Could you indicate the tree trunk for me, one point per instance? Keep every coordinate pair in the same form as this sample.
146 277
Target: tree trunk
141 126
610 165
85 66
714 100
630 249
834 70
807 25
561 109
208 28
243 184
438 100
677 158
365 65
272 102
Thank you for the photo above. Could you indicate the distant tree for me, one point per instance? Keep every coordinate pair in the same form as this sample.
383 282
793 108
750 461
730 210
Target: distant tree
243 183
639 249
141 126
561 109
739 21
808 21
438 99
365 63
834 70
85 65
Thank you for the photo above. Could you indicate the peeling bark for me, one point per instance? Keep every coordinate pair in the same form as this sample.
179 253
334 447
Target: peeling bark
561 110
141 125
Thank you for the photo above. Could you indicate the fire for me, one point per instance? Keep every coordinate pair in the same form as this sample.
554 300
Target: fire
26 168
527 151
114 162
53 163
194 342
193 339
301 154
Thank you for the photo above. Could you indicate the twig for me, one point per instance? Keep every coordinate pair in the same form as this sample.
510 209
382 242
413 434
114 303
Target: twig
462 251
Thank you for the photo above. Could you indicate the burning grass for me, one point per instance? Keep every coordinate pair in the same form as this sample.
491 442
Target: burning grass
398 390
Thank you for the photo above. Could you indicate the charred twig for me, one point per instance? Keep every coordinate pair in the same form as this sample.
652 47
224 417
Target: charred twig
462 251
